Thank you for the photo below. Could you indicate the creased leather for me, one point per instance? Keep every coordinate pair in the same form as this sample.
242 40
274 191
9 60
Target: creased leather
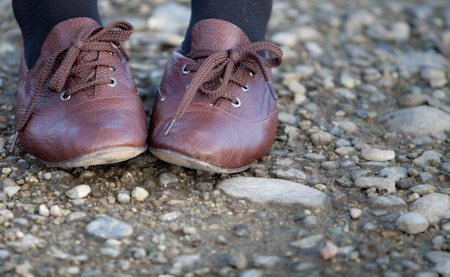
219 134
93 119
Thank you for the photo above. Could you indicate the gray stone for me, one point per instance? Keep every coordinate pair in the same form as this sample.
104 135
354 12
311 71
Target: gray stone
386 201
416 121
9 182
348 126
428 157
11 191
273 190
7 214
355 213
239 261
377 155
412 223
421 140
322 138
123 197
108 228
43 210
170 216
79 192
184 262
139 194
290 174
423 189
4 254
309 242
251 273
343 143
267 261
287 118
315 157
394 173
437 256
376 182
345 93
167 179
306 266
342 151
401 31
442 268
434 204
76 216
313 48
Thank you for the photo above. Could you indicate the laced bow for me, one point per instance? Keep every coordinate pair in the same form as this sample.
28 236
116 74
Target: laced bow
91 40
218 70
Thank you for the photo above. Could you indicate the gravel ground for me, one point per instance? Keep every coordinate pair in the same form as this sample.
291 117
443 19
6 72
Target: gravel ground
357 182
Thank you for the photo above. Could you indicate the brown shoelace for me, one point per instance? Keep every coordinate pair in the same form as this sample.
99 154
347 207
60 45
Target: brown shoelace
219 68
91 40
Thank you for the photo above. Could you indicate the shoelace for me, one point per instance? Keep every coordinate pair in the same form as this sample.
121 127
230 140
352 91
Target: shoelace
219 68
90 39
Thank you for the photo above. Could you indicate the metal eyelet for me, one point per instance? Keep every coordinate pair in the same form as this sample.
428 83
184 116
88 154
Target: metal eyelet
187 86
238 103
252 74
64 97
114 82
112 53
113 68
183 70
246 88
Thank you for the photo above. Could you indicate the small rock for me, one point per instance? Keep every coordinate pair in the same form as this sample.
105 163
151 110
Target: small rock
309 242
435 204
47 176
11 191
394 173
76 216
170 216
290 174
139 194
55 211
373 154
355 213
167 179
4 254
79 192
7 214
267 261
412 223
386 201
379 183
329 251
428 157
43 210
423 189
107 228
123 197
8 182
251 273
239 261
287 118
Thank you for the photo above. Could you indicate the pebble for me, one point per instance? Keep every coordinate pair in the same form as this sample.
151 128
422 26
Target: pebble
412 223
329 251
355 213
184 262
264 191
79 192
427 158
374 154
435 204
309 242
305 266
267 261
322 138
139 194
349 81
47 176
377 182
7 214
394 173
387 201
167 179
108 228
437 256
4 254
423 189
251 273
287 118
123 197
416 121
345 93
290 174
442 268
76 216
8 182
238 261
55 211
11 190
170 216
343 151
43 210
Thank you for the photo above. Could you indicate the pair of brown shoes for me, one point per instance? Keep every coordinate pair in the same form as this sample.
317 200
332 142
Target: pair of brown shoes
215 109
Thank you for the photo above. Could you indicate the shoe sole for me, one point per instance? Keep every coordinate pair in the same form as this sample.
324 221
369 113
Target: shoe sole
106 156
185 161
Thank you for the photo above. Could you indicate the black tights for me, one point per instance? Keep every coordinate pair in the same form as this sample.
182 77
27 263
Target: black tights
36 18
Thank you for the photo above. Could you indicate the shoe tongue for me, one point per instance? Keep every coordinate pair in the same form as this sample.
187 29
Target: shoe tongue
217 34
62 35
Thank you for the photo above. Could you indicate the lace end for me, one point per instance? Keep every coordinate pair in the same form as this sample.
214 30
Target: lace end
170 127
272 90
14 142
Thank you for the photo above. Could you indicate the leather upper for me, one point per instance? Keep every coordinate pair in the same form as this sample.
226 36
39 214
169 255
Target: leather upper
211 130
93 119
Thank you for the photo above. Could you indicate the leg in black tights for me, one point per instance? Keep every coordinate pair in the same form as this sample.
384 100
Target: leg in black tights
36 19
249 15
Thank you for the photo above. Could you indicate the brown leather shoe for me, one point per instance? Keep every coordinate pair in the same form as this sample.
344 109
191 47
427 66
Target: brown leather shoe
216 108
78 105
